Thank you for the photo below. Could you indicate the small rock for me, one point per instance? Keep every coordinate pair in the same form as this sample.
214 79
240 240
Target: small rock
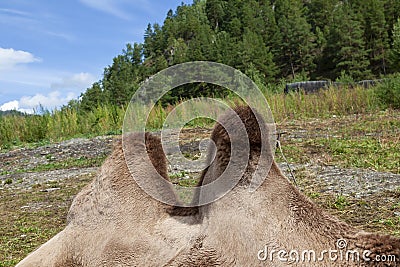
50 189
396 213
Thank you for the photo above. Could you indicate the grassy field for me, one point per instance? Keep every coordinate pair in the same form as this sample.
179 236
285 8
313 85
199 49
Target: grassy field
367 141
347 128
363 141
31 217
68 123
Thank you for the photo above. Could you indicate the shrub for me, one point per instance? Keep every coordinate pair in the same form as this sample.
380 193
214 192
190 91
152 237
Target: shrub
389 92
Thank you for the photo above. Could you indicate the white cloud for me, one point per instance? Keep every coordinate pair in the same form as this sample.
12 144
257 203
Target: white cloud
48 88
14 12
108 6
35 23
29 104
50 101
62 35
79 81
10 58
12 105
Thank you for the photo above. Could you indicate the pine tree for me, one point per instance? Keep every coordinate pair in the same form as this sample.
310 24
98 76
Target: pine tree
133 54
322 62
177 51
296 49
227 50
346 44
269 29
215 10
395 52
119 82
148 47
264 39
200 42
170 27
376 35
254 53
392 13
320 13
251 17
92 98
233 19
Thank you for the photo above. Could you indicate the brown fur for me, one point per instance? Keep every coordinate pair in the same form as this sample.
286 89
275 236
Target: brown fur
277 214
113 222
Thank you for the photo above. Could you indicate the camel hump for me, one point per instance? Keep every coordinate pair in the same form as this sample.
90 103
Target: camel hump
240 153
157 156
138 144
239 124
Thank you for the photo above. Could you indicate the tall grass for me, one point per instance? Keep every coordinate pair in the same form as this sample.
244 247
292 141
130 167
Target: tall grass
59 125
67 122
325 103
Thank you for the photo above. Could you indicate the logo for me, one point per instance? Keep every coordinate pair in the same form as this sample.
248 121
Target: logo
153 89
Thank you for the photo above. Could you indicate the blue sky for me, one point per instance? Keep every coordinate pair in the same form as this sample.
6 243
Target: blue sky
51 51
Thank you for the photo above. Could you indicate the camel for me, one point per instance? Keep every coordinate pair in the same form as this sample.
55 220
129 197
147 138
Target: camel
113 222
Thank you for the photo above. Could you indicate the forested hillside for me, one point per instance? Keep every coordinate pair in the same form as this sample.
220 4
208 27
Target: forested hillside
269 40
11 112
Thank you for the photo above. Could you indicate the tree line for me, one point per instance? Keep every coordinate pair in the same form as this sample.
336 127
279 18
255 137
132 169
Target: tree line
269 40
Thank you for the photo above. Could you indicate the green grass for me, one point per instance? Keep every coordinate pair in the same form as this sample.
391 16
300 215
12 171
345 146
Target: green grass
313 195
69 123
58 125
190 182
184 178
23 229
340 202
368 141
390 221
81 162
176 176
364 153
323 104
